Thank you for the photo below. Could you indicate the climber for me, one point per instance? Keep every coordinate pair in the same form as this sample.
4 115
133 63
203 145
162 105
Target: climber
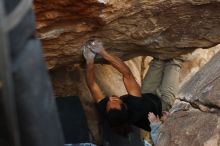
124 111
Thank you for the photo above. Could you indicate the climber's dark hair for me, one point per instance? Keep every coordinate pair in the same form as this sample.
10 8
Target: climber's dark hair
118 121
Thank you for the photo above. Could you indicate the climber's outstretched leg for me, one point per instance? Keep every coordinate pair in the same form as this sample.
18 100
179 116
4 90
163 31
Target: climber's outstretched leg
162 79
170 83
153 77
152 80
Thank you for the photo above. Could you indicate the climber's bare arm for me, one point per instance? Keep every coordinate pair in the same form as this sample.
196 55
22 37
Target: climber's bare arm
130 83
91 83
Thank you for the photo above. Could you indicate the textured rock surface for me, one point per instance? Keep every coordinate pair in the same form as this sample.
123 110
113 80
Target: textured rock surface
190 128
195 61
195 119
128 28
203 88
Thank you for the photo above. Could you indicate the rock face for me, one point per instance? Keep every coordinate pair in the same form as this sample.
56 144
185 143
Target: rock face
195 61
195 118
128 28
203 87
190 128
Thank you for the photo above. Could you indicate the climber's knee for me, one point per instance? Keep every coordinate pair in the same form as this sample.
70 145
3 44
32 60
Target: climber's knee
167 96
170 83
174 62
157 62
165 106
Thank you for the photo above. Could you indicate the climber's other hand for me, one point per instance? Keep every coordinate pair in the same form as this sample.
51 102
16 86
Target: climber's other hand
153 118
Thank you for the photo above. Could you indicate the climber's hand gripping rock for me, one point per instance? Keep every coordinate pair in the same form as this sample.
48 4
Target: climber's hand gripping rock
88 54
96 46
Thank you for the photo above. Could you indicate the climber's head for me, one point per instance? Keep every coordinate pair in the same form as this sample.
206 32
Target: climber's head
115 102
117 114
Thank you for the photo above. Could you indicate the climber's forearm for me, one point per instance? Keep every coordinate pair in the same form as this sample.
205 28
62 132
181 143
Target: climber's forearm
91 83
116 62
130 83
89 74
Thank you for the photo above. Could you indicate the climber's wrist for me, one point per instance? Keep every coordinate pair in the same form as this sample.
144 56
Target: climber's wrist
89 61
102 52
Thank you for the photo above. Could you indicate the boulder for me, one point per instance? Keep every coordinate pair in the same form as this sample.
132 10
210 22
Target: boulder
128 28
195 119
190 128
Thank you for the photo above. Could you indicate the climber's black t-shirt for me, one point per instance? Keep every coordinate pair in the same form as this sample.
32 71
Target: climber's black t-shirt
138 108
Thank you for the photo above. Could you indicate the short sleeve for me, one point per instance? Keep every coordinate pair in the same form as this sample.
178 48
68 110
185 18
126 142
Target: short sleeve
138 111
135 106
101 106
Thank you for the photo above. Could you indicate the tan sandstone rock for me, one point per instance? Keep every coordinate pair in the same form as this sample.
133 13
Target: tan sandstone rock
194 120
128 28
